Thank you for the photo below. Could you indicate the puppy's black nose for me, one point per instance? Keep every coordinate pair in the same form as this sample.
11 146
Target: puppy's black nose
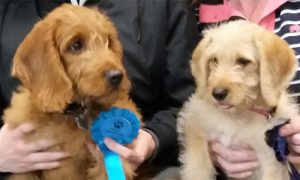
220 93
114 77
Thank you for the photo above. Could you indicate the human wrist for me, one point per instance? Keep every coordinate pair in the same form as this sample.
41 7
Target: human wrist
153 144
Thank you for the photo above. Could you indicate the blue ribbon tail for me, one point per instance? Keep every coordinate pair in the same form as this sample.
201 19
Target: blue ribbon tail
294 174
113 166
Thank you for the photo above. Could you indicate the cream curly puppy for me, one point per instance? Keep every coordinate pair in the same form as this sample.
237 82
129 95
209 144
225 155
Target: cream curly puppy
242 73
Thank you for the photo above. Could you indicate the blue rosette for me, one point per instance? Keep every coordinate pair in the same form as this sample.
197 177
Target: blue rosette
122 126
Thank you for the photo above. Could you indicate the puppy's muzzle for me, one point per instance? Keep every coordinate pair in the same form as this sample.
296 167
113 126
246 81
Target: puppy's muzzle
114 78
220 93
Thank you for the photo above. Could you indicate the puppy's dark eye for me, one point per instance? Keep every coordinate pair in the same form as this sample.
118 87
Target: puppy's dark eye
243 62
76 46
213 60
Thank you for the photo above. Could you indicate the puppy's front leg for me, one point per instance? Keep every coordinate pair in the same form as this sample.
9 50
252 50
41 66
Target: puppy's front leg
275 171
271 168
196 159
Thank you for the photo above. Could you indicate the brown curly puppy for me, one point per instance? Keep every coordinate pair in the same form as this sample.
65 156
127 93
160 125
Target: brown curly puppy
72 56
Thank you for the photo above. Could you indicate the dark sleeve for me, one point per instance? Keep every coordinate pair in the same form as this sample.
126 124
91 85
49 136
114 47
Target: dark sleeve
3 7
182 38
2 106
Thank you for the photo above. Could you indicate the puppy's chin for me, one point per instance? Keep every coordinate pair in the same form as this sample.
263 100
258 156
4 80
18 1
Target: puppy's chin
229 107
223 105
108 95
109 98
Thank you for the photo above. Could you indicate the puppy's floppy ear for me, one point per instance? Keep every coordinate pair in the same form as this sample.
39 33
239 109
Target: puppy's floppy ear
37 64
113 41
277 66
199 66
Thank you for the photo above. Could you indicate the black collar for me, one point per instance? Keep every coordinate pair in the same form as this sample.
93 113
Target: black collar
80 112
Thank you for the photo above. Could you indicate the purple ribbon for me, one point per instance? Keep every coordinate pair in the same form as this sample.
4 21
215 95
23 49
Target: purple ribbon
280 147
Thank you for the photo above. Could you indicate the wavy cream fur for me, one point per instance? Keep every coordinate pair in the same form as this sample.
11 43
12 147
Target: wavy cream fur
261 83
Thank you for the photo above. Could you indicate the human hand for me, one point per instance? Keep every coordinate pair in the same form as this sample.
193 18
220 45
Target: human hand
292 133
140 151
235 162
19 157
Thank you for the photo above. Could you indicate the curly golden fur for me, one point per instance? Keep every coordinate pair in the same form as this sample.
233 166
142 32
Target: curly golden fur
237 67
70 56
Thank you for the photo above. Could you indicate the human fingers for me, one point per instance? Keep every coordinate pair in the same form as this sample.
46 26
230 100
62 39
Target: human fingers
289 129
44 157
123 151
241 175
236 168
145 145
142 150
45 165
294 159
294 144
23 167
38 145
4 127
21 130
294 139
234 155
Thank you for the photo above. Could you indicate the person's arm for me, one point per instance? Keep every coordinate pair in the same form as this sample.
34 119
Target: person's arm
158 138
179 85
2 107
